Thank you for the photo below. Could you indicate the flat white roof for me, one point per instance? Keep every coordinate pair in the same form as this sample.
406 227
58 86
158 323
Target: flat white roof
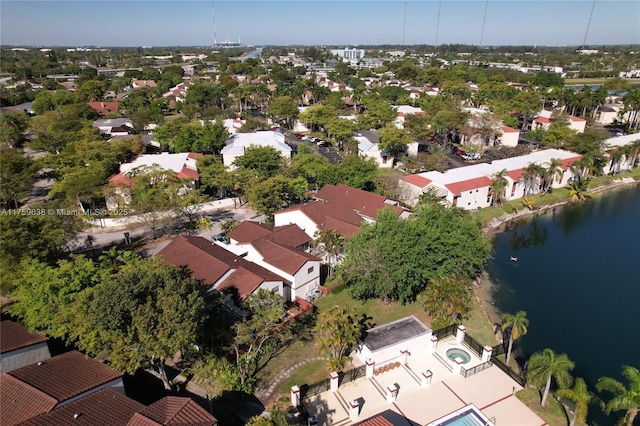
622 140
488 169
239 141
164 160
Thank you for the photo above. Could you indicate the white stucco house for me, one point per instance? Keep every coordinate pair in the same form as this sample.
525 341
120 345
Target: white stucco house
403 111
237 143
368 148
183 164
281 250
470 187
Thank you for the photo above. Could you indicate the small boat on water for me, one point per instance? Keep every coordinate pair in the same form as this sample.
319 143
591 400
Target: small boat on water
514 259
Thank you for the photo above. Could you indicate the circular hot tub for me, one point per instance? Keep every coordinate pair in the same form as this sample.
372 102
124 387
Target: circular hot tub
460 353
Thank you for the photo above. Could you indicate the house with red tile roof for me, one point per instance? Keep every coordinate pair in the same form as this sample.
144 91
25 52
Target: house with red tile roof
183 164
220 269
470 187
543 120
340 208
107 407
20 347
105 108
281 250
50 384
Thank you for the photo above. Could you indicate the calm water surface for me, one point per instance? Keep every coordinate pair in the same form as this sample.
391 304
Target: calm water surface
578 278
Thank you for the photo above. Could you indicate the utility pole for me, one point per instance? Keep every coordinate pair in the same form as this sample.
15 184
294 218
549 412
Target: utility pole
404 24
584 42
484 19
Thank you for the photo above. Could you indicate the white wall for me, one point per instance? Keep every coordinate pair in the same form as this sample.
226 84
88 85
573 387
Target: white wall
510 138
305 281
13 360
471 199
417 346
274 287
297 217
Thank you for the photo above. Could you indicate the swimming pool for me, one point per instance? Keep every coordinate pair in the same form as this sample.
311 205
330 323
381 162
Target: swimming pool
460 353
467 416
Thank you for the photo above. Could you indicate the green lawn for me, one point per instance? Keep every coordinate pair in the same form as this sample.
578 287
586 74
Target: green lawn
300 348
377 311
307 374
553 413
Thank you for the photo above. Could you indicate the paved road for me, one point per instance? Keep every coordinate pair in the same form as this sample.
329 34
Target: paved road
106 236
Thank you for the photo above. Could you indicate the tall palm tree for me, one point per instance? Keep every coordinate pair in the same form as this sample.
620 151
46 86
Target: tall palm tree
624 397
517 325
332 243
531 178
553 172
498 185
545 365
580 395
579 189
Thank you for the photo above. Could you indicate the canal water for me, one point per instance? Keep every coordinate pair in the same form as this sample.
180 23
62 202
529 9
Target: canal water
577 276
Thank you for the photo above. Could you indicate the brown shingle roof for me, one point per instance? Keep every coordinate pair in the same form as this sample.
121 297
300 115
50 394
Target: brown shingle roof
287 259
15 336
334 215
248 231
172 410
209 263
65 376
365 203
105 407
19 401
287 235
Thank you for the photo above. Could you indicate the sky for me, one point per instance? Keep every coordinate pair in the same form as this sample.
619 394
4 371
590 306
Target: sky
318 22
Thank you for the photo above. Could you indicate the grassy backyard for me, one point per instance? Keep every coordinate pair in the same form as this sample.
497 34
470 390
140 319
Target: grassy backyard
553 413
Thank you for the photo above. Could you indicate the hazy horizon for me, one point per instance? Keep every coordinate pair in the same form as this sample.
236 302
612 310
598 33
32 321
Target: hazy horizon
176 23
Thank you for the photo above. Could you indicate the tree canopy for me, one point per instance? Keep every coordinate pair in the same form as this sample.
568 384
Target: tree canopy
395 258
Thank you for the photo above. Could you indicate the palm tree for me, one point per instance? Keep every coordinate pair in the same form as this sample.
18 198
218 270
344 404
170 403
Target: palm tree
498 184
624 397
531 178
553 172
332 243
544 365
446 299
517 325
579 189
580 395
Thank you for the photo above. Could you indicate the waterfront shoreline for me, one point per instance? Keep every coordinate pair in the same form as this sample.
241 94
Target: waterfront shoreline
485 286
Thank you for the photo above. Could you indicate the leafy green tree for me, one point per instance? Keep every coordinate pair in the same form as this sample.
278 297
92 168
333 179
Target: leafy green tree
154 196
283 108
332 244
447 300
545 365
394 258
255 336
548 79
276 192
580 395
354 171
45 294
337 333
393 140
92 90
13 126
517 325
624 397
44 237
16 177
378 113
143 314
263 161
310 166
197 137
217 375
418 126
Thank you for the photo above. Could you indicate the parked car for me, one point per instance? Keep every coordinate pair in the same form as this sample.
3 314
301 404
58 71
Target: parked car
460 152
320 142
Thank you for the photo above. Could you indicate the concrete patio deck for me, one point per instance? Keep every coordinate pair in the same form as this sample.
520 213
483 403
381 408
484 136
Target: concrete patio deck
491 390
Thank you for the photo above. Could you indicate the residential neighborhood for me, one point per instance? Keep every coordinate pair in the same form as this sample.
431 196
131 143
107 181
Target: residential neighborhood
295 234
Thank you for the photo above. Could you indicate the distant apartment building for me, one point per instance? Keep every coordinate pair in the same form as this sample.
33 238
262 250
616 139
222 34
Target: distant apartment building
349 54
